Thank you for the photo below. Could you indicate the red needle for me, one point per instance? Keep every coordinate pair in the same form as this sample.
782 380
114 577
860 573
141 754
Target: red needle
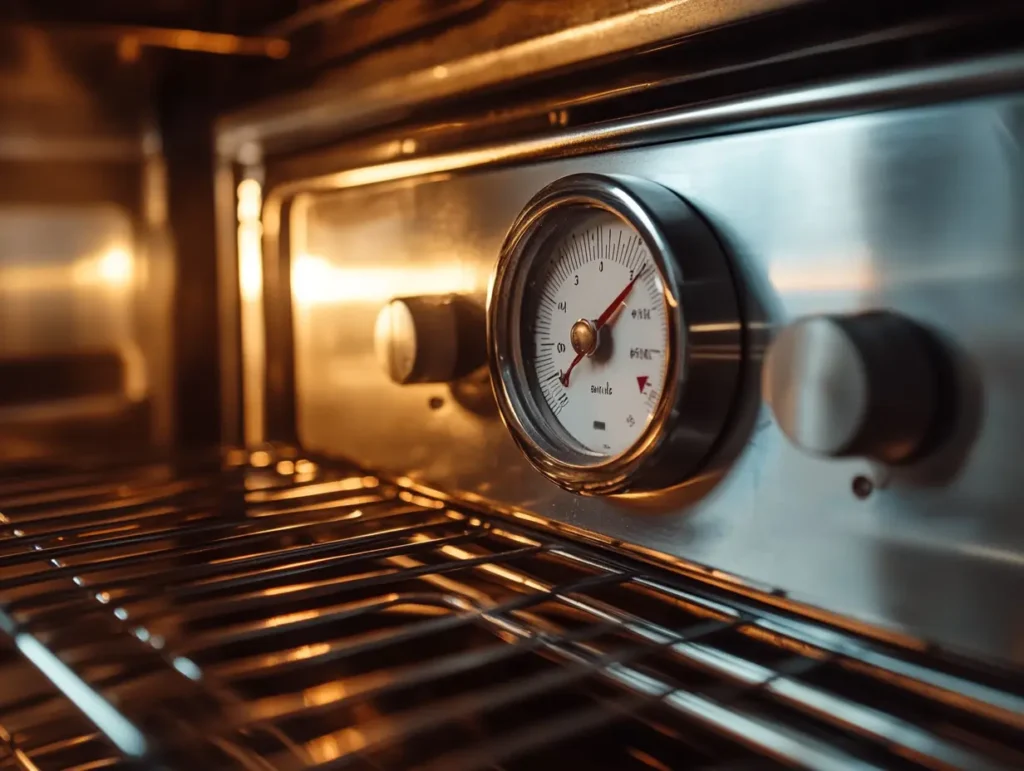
601 320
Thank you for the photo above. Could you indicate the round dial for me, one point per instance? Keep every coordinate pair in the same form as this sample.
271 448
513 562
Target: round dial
597 335
613 334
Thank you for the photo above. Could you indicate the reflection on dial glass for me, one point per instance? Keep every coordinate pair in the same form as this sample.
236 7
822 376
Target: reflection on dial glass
595 332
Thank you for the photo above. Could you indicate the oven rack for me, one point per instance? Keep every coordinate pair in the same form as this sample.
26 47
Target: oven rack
270 612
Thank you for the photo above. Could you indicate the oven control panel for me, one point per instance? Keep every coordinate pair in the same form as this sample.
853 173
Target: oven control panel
791 357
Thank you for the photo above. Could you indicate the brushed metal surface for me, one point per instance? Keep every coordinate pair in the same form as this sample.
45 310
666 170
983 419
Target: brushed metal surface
864 384
72 286
86 263
505 42
916 211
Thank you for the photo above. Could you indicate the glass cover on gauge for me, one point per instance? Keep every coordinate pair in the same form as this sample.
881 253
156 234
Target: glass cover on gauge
595 334
613 334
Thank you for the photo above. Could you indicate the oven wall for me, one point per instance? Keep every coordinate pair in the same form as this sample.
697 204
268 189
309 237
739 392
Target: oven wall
915 210
86 268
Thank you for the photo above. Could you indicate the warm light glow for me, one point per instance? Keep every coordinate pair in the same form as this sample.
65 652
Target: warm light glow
290 618
298 654
250 261
260 458
303 466
235 457
498 570
316 280
324 749
116 267
250 239
250 199
853 271
113 268
420 500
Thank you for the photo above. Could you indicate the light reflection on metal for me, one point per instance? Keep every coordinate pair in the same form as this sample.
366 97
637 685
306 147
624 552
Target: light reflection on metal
187 667
420 500
250 231
301 653
303 466
358 500
324 748
851 271
334 486
337 106
399 699
130 40
260 459
250 277
316 280
113 268
102 713
497 570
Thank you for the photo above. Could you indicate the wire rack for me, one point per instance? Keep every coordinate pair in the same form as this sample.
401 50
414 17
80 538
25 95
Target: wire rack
285 615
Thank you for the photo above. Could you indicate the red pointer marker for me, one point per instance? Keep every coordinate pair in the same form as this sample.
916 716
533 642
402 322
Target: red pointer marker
641 380
601 320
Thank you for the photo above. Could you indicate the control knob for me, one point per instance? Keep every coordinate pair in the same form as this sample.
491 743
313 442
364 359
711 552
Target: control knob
860 385
428 339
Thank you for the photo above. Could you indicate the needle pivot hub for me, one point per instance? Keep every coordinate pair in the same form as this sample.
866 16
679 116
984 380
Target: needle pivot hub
583 337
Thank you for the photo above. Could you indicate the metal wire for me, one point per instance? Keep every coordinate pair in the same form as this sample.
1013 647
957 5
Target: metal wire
321 618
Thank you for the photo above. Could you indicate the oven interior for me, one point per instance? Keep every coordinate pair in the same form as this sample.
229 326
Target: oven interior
229 540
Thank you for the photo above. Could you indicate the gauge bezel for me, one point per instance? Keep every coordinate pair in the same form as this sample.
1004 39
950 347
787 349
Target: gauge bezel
551 435
704 336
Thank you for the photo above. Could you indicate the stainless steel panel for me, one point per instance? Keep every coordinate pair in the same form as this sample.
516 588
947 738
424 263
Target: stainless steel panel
916 211
86 273
501 43
66 275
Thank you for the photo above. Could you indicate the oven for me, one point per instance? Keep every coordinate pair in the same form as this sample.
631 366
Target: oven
463 385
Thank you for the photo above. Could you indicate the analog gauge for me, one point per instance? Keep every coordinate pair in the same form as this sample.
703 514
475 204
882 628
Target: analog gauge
595 324
614 335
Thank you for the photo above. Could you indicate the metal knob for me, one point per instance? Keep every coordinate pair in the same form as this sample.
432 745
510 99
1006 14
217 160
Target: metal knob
427 339
853 385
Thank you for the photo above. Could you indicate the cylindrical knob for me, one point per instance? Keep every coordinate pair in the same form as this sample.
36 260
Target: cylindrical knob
427 339
854 385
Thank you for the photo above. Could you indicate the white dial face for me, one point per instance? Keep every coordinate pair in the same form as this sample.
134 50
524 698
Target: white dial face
596 332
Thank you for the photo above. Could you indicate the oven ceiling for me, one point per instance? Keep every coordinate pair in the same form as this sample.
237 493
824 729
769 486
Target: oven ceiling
222 15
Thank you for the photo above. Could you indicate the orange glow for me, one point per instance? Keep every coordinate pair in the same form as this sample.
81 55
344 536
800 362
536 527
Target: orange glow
324 749
115 267
305 467
298 654
291 618
847 272
420 500
112 268
260 459
497 570
250 237
318 281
